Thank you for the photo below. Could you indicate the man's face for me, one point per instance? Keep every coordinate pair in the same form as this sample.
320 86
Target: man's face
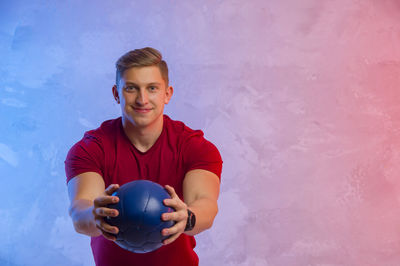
142 94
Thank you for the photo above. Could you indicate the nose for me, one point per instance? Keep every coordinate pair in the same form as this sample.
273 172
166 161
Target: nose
142 97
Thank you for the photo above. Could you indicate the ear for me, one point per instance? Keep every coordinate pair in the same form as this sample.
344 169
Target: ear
168 94
115 93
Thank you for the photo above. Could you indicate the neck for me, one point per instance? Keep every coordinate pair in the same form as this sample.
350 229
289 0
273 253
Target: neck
143 138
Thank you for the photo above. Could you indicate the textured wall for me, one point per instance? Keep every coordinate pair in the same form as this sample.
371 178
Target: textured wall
301 97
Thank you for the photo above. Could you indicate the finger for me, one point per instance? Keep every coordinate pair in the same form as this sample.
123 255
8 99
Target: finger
171 191
106 212
179 227
169 202
111 189
101 224
175 203
172 202
171 239
104 200
175 216
107 235
166 216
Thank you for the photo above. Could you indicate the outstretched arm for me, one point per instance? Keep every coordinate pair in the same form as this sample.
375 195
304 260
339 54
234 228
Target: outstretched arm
89 199
200 191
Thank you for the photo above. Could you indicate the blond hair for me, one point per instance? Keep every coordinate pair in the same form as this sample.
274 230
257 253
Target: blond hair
139 58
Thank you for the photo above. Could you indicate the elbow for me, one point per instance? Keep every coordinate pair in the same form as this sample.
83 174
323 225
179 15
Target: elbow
75 221
213 217
79 227
78 224
85 228
83 221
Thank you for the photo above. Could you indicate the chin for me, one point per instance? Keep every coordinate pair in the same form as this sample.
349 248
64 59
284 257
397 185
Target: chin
140 121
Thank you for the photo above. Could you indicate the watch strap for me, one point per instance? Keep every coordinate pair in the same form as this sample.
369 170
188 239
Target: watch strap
191 221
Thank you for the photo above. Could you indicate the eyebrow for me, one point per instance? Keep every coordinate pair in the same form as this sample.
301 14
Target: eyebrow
133 83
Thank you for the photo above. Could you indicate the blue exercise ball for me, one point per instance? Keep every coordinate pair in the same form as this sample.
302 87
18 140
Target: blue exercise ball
139 221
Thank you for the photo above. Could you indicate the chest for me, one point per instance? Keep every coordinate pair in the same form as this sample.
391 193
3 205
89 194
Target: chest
162 164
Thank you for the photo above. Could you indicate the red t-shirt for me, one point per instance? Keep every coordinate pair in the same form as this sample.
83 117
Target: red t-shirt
108 151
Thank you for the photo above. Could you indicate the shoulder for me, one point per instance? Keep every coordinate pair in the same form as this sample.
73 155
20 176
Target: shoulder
179 128
197 152
107 129
88 154
95 139
190 140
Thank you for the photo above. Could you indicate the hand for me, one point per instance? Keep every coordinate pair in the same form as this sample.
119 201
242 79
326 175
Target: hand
179 216
100 211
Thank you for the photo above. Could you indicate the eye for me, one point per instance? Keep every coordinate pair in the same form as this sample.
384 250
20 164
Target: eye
152 88
129 88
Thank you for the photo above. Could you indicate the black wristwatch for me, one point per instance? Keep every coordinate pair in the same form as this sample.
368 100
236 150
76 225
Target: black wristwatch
191 221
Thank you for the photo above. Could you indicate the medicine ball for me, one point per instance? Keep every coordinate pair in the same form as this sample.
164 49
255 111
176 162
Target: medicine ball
139 221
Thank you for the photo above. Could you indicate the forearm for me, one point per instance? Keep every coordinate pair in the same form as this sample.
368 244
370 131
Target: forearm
81 212
205 210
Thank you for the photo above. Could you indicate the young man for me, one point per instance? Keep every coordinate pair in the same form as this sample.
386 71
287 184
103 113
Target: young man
143 144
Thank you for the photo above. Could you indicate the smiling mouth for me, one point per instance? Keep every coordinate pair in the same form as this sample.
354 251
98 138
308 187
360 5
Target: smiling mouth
141 110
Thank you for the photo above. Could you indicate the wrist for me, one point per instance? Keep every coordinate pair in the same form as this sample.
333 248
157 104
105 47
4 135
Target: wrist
191 221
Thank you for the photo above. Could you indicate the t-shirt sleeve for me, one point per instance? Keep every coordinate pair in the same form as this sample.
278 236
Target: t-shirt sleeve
200 153
87 155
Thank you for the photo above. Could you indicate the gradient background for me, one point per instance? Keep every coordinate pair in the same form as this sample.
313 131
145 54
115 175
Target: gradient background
301 98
